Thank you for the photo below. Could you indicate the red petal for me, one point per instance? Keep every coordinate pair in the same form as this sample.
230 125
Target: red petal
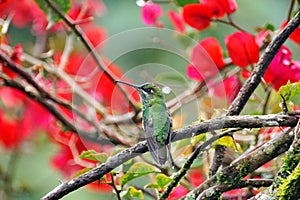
178 192
220 7
295 36
214 49
242 48
197 15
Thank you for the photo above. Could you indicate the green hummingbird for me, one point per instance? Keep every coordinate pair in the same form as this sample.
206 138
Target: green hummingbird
156 120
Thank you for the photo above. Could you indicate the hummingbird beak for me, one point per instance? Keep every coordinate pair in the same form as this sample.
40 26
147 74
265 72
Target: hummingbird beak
130 84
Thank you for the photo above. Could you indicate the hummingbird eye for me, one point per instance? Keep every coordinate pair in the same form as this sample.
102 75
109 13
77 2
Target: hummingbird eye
149 90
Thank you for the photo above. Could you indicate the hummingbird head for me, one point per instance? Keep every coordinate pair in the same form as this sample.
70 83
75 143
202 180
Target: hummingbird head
146 90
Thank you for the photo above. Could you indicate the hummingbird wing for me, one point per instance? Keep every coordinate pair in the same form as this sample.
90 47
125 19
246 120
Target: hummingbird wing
170 134
151 139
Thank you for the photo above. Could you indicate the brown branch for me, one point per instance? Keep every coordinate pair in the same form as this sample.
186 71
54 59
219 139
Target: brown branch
250 121
220 188
254 80
247 164
262 65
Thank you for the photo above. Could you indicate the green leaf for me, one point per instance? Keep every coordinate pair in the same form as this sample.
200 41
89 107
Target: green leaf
137 170
162 180
93 155
183 143
63 5
132 192
185 2
289 91
152 185
80 172
199 138
227 141
270 27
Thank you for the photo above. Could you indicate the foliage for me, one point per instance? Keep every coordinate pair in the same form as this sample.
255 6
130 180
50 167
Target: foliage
60 85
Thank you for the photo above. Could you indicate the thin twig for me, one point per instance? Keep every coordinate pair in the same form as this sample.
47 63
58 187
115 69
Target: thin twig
290 10
66 52
114 186
230 22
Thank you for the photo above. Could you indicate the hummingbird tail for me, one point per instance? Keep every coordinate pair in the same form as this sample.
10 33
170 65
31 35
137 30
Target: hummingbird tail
162 155
171 161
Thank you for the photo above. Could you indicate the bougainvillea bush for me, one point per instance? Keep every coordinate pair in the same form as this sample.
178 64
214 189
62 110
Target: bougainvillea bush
233 97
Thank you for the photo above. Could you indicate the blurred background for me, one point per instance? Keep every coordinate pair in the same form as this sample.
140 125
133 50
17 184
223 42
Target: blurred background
31 170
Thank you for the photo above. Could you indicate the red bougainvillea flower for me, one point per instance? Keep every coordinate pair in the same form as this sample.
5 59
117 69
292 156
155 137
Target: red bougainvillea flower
27 12
295 36
86 9
229 88
206 59
178 192
214 50
196 177
197 16
16 57
242 48
94 33
150 13
20 118
220 7
235 194
177 21
282 69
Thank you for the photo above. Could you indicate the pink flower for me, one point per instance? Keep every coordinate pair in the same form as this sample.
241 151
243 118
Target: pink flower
178 192
177 21
282 69
150 13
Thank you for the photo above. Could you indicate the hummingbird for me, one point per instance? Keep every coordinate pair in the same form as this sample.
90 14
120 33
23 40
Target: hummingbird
156 121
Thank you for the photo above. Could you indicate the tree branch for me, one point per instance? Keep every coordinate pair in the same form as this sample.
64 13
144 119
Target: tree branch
238 169
254 80
263 63
250 121
221 187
